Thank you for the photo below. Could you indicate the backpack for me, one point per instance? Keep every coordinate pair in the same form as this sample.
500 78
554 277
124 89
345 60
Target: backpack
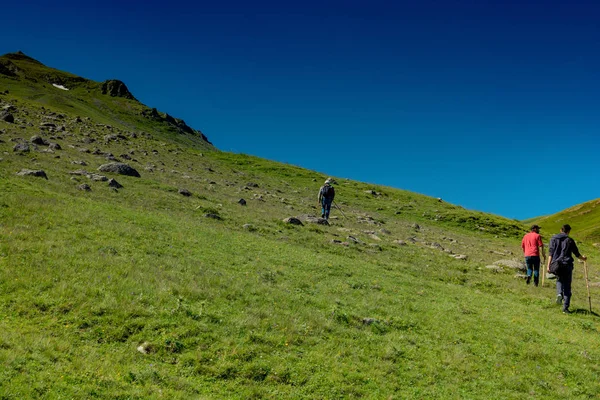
328 192
560 262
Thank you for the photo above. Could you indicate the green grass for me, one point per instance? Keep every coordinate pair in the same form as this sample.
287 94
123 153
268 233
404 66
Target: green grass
276 311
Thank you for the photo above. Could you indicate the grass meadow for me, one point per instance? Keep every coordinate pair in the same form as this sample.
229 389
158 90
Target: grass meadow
136 294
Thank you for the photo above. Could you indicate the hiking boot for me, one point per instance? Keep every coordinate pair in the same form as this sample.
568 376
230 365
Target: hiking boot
536 282
559 299
323 215
567 311
528 280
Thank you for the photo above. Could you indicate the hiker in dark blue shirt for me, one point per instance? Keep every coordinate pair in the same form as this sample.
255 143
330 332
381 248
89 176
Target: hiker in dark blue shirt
562 249
326 196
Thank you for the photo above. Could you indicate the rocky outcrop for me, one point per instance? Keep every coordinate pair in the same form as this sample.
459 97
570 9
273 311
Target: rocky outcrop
116 88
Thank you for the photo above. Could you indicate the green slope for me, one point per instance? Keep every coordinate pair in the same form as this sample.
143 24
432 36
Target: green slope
584 220
143 292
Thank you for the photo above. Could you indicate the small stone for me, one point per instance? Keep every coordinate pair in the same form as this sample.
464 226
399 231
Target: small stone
185 192
85 187
242 202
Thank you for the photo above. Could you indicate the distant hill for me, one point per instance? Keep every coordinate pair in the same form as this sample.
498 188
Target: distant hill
584 220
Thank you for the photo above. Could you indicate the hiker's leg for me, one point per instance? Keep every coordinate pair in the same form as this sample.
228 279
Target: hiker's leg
529 264
567 278
323 206
327 208
536 269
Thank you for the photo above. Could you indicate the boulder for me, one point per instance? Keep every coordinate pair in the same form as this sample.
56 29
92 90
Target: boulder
21 148
293 221
114 184
85 187
242 202
29 172
7 117
54 146
39 140
116 88
519 265
185 192
119 168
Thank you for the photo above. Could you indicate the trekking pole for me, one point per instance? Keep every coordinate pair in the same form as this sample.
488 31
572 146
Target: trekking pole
587 283
543 268
336 206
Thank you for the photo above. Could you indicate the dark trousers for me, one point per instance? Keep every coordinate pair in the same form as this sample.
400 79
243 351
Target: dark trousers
563 285
533 265
326 204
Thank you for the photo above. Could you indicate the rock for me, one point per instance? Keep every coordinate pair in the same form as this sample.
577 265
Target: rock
82 163
385 231
21 148
145 348
39 140
416 227
96 177
252 185
353 239
213 216
185 192
293 221
7 117
29 172
400 242
119 168
512 264
249 227
495 268
54 146
85 187
114 184
459 256
242 202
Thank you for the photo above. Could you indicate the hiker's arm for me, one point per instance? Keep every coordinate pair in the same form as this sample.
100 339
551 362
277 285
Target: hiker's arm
548 266
575 251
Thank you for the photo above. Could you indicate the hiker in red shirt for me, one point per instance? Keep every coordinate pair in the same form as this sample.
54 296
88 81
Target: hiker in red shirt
531 244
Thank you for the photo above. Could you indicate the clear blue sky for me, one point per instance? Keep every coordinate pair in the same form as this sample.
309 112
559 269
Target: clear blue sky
492 105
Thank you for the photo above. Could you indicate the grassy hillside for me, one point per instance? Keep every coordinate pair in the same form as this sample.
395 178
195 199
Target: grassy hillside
169 288
584 219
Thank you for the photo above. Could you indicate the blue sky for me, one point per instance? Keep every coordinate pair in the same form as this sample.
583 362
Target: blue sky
492 105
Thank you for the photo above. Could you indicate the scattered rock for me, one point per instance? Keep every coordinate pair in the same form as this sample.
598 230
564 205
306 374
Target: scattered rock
185 192
293 221
145 348
520 265
252 185
213 216
7 117
400 242
21 148
416 227
54 146
29 172
353 239
114 184
96 177
85 187
119 168
39 140
249 227
82 163
495 268
242 202
459 256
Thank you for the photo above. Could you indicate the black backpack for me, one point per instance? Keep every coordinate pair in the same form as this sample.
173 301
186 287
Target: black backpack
560 257
328 192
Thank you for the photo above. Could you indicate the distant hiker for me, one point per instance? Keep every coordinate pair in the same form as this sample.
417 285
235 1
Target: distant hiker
561 251
326 196
531 244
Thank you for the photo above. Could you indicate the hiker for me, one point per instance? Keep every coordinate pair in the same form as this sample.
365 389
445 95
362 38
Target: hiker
326 195
561 250
531 244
